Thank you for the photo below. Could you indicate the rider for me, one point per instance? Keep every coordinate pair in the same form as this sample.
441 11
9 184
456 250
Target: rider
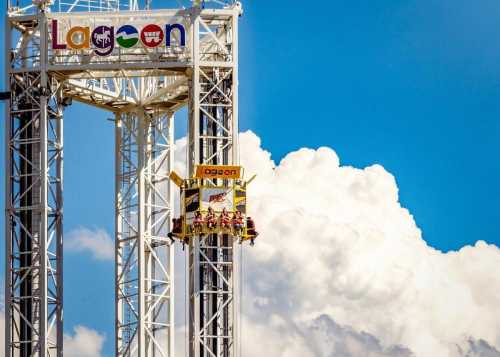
251 230
224 219
198 221
176 228
211 219
238 222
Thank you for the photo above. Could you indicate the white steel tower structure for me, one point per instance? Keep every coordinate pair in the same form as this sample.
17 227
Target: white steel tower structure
142 66
213 297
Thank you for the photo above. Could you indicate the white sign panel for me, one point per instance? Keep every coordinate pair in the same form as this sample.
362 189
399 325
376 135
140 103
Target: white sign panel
120 37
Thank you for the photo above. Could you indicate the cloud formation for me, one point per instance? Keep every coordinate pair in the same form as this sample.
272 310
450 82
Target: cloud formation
341 268
84 342
479 348
97 242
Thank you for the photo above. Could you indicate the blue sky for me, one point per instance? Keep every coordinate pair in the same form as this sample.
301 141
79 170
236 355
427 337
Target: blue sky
411 85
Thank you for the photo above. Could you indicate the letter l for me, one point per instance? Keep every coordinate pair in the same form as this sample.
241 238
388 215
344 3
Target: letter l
55 45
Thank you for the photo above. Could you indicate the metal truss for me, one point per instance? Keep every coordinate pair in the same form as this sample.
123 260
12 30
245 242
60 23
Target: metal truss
144 253
213 128
143 92
92 5
23 7
30 6
34 181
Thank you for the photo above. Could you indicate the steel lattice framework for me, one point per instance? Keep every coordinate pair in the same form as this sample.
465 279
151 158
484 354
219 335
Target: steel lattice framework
143 88
213 139
144 285
34 216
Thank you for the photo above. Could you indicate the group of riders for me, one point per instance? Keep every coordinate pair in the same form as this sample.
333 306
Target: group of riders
225 221
234 223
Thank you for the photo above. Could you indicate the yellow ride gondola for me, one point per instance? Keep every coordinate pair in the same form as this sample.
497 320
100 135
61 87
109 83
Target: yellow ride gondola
213 201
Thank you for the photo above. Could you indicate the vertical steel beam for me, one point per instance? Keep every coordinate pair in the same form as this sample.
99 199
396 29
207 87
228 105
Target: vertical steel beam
194 152
141 136
34 179
236 161
59 228
171 187
8 348
213 139
119 322
44 173
145 256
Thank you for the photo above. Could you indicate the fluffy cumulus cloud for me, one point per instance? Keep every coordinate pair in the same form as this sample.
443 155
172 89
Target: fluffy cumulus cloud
96 242
84 342
341 269
477 349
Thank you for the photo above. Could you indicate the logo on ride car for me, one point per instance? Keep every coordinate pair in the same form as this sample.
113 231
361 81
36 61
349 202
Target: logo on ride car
220 197
218 171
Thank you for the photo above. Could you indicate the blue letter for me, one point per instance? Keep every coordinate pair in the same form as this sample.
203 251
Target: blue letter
168 34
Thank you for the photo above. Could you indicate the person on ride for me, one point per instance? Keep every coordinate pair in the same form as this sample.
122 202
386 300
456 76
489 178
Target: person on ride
238 222
176 228
198 221
178 225
224 219
211 219
251 230
171 233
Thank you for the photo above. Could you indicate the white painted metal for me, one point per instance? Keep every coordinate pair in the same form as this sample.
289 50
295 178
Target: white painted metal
144 275
143 95
212 271
34 217
34 144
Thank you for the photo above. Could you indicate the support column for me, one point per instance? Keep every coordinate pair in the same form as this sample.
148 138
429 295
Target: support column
119 223
34 217
144 262
33 204
213 139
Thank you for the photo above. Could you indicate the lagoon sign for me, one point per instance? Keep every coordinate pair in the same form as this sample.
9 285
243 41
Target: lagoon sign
103 39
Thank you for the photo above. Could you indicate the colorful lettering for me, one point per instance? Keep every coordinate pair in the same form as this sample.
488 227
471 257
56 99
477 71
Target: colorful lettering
78 37
127 36
55 44
152 35
102 38
168 34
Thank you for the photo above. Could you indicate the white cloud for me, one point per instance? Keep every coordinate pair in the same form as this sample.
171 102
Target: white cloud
474 348
322 337
339 262
341 269
331 339
97 242
84 342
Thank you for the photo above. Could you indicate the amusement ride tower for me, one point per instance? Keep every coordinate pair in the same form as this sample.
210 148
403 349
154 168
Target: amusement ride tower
142 65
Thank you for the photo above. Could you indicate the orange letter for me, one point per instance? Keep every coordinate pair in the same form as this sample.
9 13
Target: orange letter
78 37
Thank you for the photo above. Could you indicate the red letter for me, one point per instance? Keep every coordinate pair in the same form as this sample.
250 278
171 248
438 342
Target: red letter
55 45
